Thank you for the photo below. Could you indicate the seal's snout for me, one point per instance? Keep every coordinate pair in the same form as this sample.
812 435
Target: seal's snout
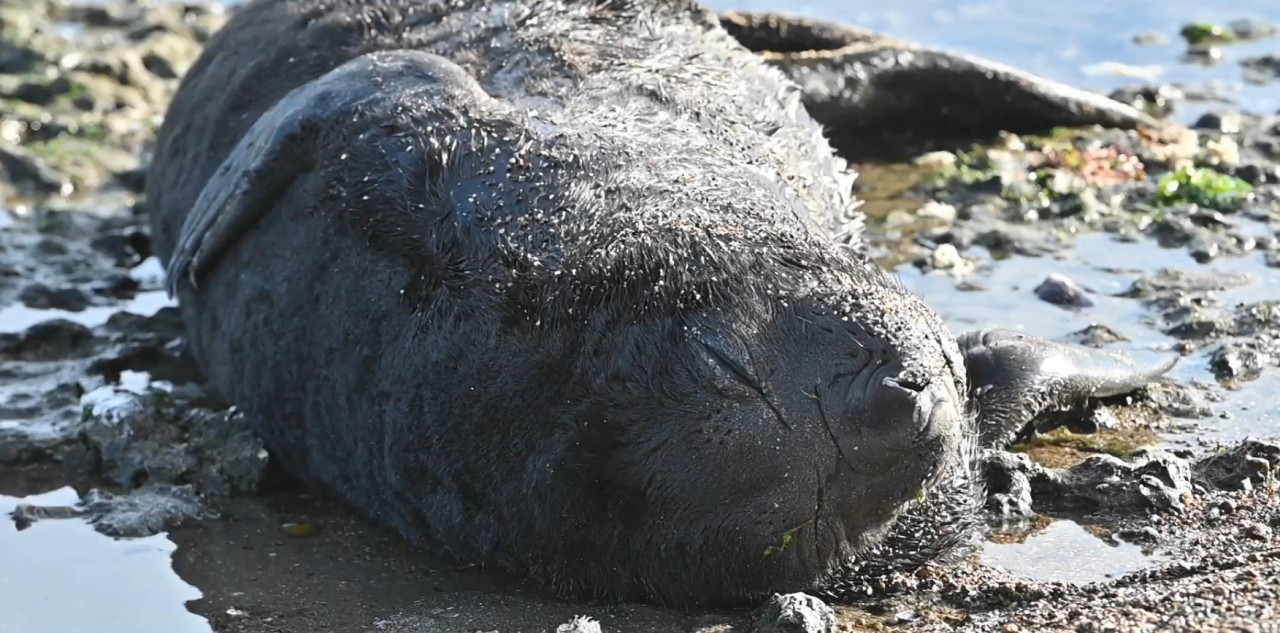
904 408
923 409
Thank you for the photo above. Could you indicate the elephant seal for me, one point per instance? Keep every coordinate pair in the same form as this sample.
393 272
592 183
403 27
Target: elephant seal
571 289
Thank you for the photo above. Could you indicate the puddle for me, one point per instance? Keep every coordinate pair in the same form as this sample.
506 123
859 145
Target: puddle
63 577
1066 551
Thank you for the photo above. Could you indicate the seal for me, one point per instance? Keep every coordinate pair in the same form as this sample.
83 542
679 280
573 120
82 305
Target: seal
571 289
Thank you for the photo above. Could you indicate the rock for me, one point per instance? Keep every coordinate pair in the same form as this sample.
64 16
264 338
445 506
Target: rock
1261 69
1252 29
946 257
938 211
1245 465
1150 39
579 624
1062 291
1158 100
40 297
1147 535
143 512
1257 173
1236 362
1257 531
936 160
1150 479
796 613
137 439
30 173
1007 477
135 180
1223 152
55 339
1168 285
1096 335
40 93
1219 121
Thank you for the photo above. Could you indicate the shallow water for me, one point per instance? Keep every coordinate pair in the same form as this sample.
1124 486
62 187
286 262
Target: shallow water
64 577
1068 552
1106 266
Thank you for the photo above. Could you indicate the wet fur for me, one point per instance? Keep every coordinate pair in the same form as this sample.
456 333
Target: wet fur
479 377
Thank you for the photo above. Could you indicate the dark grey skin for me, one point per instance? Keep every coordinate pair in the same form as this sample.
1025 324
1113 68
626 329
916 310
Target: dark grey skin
572 290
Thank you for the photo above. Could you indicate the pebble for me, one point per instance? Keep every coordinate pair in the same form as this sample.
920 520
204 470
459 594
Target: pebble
947 257
1225 122
1258 532
938 211
579 624
41 297
936 160
1150 39
1061 290
796 613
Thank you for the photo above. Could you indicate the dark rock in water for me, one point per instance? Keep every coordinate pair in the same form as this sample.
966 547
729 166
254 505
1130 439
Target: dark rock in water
1242 467
796 613
41 297
1252 29
1189 401
1167 285
135 180
1101 483
1219 121
1096 335
1147 535
143 512
1257 173
1236 362
16 58
40 92
25 514
51 340
1060 290
1261 69
1148 480
127 246
1273 260
1158 100
28 172
144 439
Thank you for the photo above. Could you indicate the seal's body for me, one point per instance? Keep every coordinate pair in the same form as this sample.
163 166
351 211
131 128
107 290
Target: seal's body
571 289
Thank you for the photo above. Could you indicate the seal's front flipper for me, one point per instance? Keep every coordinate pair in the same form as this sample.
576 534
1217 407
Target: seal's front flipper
882 98
287 142
1015 379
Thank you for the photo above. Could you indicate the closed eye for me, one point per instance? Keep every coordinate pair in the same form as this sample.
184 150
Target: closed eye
730 365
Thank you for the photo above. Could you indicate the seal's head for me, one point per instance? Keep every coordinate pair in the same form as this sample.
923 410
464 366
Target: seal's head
766 435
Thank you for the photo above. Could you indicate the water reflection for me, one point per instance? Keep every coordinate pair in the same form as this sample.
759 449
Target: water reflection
1067 552
61 576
